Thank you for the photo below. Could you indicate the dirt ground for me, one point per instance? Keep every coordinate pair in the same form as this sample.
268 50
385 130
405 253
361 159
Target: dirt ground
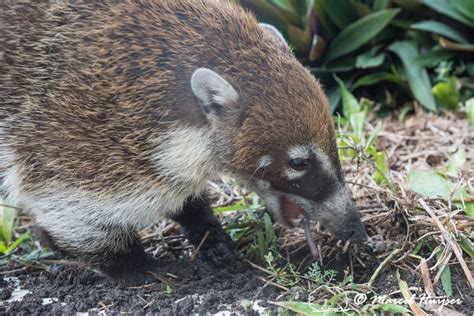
184 285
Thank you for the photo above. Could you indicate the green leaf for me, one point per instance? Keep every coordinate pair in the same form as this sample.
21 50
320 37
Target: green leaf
7 221
334 97
327 24
445 8
446 281
456 162
369 60
464 7
18 242
433 57
374 134
376 77
447 93
433 185
466 245
3 248
307 308
469 210
418 79
441 29
357 121
358 33
380 5
349 102
342 13
269 233
470 110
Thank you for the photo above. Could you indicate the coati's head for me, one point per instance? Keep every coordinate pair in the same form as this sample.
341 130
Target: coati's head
280 136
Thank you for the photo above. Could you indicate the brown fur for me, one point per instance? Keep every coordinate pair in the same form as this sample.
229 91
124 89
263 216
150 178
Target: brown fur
88 90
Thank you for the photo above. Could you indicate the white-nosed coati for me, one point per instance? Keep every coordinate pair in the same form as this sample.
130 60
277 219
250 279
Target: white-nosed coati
113 116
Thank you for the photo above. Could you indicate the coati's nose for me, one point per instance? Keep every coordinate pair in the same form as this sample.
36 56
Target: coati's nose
354 230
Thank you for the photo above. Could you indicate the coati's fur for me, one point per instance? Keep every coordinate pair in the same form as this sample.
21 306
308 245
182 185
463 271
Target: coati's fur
113 116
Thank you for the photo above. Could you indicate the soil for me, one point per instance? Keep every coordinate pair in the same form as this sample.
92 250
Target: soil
196 287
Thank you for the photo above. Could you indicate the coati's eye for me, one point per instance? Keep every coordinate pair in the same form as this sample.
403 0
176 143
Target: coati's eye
299 164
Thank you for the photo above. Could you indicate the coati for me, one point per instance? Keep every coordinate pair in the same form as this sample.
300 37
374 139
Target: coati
115 115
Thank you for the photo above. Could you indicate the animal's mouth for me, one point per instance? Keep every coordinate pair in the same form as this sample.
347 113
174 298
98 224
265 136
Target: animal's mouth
293 214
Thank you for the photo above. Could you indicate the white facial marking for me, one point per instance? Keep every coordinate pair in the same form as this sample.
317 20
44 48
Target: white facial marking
293 174
304 152
264 161
300 151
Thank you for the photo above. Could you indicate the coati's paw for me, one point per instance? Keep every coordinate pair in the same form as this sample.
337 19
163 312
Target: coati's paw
217 247
125 274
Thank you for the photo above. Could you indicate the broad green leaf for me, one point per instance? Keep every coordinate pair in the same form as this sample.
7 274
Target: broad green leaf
441 29
369 60
380 5
342 13
447 93
433 57
349 102
358 33
7 220
327 24
445 7
307 308
470 110
418 79
433 185
376 77
456 162
469 210
464 7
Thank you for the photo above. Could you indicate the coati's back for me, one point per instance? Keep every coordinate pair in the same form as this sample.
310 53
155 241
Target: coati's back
105 76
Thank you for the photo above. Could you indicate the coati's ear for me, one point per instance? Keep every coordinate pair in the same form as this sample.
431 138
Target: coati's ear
214 92
273 30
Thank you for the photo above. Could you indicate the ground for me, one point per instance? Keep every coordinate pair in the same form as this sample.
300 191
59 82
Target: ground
406 245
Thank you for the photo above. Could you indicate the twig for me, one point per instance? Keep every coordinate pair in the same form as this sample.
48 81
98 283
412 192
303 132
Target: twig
199 246
274 284
447 236
381 266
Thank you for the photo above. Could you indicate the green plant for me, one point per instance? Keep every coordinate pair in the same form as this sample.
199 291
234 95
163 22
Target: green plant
394 46
7 224
354 145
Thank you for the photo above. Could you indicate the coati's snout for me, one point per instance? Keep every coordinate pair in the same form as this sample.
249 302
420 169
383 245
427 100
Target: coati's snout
336 211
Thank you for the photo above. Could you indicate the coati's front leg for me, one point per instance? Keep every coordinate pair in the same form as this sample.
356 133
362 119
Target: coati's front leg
196 219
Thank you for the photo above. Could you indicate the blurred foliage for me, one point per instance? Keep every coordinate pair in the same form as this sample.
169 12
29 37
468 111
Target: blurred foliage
395 51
